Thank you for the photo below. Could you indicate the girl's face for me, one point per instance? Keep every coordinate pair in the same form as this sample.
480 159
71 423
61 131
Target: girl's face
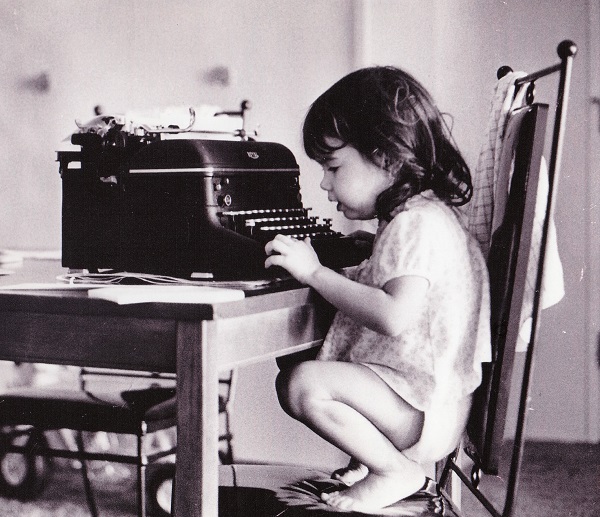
353 182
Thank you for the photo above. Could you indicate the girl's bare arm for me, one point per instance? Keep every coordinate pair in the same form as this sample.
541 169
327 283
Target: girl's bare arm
387 310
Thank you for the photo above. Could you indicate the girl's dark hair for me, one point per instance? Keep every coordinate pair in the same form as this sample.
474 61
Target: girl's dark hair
390 118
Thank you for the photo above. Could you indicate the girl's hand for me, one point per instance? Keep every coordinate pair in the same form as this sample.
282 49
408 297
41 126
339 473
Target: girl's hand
297 257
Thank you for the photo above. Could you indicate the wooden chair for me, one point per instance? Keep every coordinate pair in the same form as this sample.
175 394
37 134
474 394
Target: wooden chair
292 491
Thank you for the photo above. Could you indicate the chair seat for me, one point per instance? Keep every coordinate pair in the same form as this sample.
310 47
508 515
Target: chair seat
117 412
292 491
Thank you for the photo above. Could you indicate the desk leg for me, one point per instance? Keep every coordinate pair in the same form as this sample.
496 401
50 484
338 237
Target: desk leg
197 474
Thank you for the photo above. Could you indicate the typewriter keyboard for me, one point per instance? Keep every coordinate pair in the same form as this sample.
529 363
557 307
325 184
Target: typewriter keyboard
262 225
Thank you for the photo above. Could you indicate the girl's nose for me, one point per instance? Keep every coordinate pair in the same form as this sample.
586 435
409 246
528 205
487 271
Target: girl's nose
325 183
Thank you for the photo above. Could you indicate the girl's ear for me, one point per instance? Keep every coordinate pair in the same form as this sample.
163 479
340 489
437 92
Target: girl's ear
378 158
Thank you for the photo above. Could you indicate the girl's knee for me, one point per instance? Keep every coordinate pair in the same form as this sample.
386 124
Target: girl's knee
295 387
282 388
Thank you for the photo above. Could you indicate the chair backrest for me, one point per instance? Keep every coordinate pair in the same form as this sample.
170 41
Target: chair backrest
508 263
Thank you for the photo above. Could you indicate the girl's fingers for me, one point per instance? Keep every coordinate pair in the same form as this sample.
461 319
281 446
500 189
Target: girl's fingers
295 255
273 247
278 244
274 260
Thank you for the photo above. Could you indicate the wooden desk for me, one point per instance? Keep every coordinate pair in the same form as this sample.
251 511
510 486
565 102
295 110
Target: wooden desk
195 341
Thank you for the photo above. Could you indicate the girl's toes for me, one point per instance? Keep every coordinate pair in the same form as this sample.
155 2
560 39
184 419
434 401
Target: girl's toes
337 500
327 496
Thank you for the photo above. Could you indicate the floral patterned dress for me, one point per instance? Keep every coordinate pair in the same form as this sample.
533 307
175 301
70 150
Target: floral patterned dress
435 364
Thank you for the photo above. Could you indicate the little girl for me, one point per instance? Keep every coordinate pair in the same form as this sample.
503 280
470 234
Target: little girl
392 384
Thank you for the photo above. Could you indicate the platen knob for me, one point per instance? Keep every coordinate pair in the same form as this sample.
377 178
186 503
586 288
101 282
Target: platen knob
224 200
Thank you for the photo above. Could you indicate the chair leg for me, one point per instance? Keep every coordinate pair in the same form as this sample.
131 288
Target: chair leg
141 476
173 497
89 493
444 478
227 436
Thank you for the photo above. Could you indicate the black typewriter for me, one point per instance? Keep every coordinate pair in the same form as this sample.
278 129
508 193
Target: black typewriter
167 202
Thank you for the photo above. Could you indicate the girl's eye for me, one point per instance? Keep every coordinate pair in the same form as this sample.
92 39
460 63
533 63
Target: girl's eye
332 169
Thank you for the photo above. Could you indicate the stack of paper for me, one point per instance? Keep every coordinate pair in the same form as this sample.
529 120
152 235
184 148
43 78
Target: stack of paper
125 294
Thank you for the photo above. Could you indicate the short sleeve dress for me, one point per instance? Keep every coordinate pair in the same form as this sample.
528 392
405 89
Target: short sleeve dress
435 364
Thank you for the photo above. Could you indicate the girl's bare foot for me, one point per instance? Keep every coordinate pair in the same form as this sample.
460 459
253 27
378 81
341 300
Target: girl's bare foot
354 472
376 491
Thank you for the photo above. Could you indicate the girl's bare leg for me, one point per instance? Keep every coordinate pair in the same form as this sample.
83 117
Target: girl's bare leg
351 407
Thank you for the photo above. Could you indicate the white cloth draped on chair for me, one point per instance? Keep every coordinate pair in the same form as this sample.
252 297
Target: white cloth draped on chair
490 190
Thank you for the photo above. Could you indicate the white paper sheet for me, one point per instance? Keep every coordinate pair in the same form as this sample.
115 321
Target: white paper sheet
126 294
